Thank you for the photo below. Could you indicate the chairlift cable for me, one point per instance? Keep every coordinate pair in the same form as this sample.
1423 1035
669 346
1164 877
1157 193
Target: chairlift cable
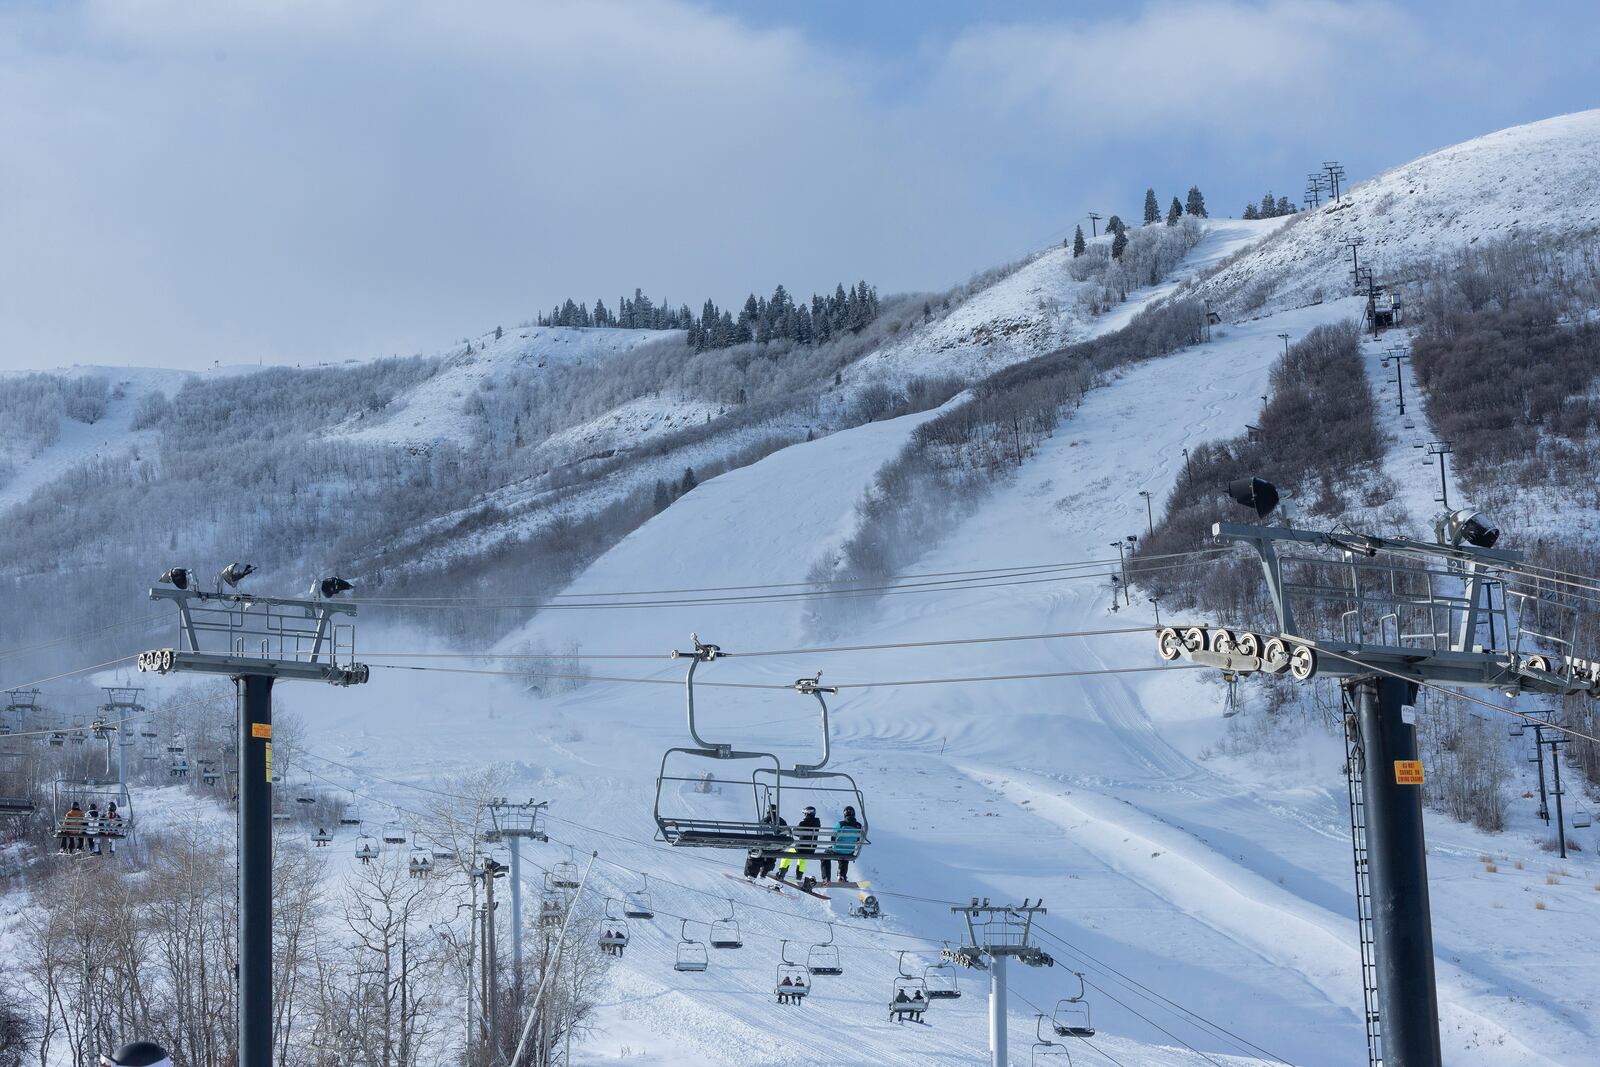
943 642
1013 991
848 583
779 598
9 652
1152 668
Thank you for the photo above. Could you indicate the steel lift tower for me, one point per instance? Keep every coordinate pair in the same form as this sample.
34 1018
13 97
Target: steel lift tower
996 934
257 640
1386 615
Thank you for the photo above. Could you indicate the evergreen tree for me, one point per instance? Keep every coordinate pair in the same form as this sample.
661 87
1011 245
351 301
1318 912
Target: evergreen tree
1119 243
1196 203
497 333
1269 205
1250 212
1284 207
1174 213
1078 243
1115 224
1152 208
688 481
663 496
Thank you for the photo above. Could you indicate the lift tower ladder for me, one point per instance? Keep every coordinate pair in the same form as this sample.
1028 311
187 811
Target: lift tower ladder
1355 778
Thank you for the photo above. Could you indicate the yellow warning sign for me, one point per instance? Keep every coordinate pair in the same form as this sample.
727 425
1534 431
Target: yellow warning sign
261 729
269 762
1407 772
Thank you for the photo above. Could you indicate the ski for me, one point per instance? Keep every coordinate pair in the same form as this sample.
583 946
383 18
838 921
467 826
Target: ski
754 884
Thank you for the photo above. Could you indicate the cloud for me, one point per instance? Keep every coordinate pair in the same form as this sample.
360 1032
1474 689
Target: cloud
1177 66
293 180
301 181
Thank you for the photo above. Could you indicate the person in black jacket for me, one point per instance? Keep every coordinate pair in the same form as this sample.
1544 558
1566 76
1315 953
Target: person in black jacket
805 843
757 865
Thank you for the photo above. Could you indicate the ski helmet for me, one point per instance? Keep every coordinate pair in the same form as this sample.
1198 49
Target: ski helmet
138 1054
810 810
849 811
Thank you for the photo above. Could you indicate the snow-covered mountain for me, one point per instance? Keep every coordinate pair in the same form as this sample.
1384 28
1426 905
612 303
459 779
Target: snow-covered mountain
1197 871
1541 177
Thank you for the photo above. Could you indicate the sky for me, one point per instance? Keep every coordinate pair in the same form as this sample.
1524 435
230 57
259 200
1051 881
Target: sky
296 181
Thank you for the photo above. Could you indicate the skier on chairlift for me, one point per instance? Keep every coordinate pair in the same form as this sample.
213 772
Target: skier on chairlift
757 865
91 827
846 836
72 829
805 842
112 822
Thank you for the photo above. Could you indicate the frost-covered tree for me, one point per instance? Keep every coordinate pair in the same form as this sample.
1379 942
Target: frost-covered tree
1250 212
1115 224
1284 207
1174 213
1078 243
1152 207
1195 204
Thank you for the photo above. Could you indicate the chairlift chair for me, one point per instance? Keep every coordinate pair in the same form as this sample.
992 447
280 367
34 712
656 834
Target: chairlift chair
823 958
443 853
148 732
178 768
725 932
552 908
351 816
210 776
941 980
280 816
793 980
1071 1017
420 864
637 905
564 875
79 737
320 837
394 834
909 998
755 833
828 790
65 792
613 936
366 849
691 954
1045 1052
58 738
1581 818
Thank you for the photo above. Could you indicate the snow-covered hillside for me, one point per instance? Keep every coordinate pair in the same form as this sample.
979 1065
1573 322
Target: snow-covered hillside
1222 884
435 409
1038 308
1541 177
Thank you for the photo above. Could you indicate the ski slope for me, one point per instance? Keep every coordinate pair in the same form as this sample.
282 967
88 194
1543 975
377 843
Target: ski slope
1540 177
1221 883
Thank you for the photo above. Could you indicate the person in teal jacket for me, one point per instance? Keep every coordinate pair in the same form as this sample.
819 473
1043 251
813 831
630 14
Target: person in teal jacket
846 839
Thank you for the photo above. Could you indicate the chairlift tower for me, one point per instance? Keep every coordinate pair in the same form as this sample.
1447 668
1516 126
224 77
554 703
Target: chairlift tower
122 706
257 640
996 934
1394 613
514 822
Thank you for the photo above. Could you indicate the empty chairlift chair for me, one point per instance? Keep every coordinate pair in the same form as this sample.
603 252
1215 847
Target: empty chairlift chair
638 906
1047 1053
910 996
1071 1017
688 812
350 816
691 954
725 932
394 834
564 875
823 958
793 980
613 936
941 981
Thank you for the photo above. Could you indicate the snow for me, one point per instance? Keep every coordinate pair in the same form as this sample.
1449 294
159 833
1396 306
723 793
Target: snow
434 410
107 436
627 426
1203 895
1544 176
1035 310
1220 883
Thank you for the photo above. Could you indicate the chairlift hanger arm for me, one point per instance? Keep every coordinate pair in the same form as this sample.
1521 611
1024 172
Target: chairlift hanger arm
813 687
